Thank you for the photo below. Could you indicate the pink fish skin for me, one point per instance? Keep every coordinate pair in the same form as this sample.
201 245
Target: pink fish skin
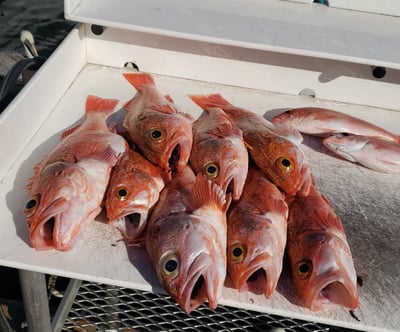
186 239
281 160
375 153
67 188
325 122
158 129
321 262
257 226
219 151
134 188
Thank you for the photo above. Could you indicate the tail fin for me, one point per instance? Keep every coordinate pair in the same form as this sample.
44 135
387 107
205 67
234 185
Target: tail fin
96 104
208 101
138 80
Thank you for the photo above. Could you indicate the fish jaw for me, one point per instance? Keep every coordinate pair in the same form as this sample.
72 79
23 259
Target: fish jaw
177 156
202 283
259 276
131 224
43 225
333 280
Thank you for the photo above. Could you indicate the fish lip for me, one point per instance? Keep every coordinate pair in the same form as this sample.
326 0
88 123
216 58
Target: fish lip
317 301
308 180
60 204
122 220
198 268
184 145
261 261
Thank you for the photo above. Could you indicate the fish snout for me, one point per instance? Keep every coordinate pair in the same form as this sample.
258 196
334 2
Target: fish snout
203 283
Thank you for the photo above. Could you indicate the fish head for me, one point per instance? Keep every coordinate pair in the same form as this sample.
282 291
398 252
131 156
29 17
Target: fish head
323 272
346 145
164 139
289 118
224 162
130 196
284 164
56 210
188 261
253 258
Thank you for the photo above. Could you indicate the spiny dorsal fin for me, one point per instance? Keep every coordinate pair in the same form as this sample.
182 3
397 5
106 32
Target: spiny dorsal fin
139 80
209 101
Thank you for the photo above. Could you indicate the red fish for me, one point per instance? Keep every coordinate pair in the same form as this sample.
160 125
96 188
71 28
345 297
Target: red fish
158 129
257 236
375 153
324 122
278 157
321 261
67 188
186 239
134 188
219 151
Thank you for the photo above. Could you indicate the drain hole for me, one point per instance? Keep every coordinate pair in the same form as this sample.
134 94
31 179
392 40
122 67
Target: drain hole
132 65
307 92
322 2
97 29
379 72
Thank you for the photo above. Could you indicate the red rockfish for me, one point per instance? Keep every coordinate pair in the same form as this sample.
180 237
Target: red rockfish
67 188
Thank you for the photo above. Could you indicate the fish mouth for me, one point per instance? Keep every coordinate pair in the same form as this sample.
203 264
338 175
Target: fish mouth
174 158
199 286
334 291
131 225
42 233
259 277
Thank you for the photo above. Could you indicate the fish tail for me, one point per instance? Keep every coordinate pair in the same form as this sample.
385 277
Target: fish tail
205 192
139 80
96 104
208 101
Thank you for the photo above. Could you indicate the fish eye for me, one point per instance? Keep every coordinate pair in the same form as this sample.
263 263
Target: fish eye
170 265
237 253
122 193
211 170
284 164
156 134
304 268
31 205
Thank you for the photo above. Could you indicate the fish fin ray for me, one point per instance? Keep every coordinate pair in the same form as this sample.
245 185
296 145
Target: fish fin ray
208 101
205 192
139 80
227 129
169 98
96 104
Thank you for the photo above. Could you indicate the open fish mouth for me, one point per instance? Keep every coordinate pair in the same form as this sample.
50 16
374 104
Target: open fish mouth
174 158
42 232
131 225
199 286
259 278
336 291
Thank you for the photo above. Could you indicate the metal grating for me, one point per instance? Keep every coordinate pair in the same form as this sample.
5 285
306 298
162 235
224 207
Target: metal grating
99 307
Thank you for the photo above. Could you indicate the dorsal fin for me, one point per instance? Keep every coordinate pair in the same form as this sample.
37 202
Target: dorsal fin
205 192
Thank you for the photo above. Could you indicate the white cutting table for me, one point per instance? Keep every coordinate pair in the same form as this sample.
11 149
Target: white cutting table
265 81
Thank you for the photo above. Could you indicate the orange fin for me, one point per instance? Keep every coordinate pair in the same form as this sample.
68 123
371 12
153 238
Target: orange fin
228 129
208 101
169 98
138 80
96 104
205 192
69 131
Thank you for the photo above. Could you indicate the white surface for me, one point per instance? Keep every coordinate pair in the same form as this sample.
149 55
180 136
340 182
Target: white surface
277 25
386 7
366 201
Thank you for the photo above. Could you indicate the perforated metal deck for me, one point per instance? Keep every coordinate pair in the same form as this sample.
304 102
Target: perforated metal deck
99 307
